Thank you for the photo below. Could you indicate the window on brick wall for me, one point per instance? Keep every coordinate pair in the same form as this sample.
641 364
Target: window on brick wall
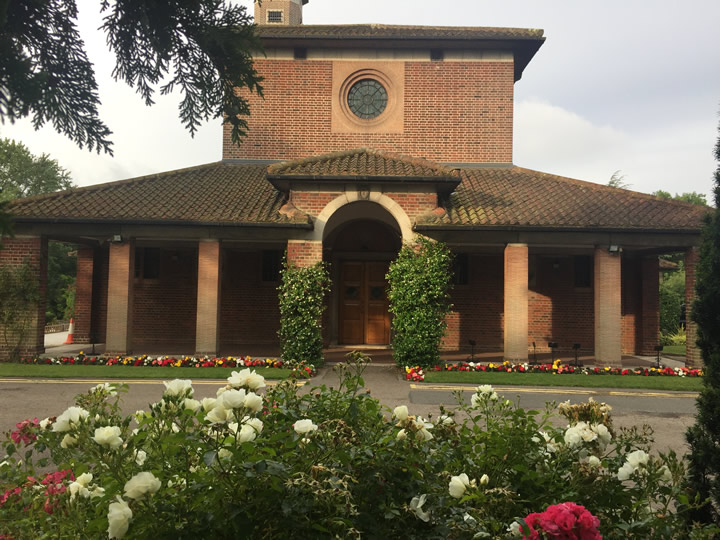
147 263
583 271
275 16
271 261
461 269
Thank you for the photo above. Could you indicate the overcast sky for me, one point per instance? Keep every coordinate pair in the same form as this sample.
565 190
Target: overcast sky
625 85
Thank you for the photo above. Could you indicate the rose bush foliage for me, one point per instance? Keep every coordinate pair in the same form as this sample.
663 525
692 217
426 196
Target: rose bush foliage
330 462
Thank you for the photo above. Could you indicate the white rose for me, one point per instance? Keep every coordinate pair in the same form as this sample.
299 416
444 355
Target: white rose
108 436
573 437
253 402
666 474
140 457
484 479
247 433
141 484
458 485
97 492
68 441
416 505
208 404
105 387
232 399
637 458
223 453
75 489
219 415
304 426
119 516
593 461
246 377
484 389
402 435
401 412
475 400
192 404
178 387
44 423
445 420
71 416
603 433
625 472
256 423
423 435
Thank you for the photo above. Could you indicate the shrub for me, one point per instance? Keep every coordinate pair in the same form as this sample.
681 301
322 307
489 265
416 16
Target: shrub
419 296
301 295
330 463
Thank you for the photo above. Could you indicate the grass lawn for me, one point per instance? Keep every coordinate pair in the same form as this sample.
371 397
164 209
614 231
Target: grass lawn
684 384
678 350
129 372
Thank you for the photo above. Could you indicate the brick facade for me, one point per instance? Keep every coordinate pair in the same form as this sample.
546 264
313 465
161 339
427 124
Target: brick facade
608 309
693 355
470 120
82 314
516 302
304 253
207 322
18 251
120 297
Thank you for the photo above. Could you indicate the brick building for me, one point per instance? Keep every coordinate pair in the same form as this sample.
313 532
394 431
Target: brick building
366 136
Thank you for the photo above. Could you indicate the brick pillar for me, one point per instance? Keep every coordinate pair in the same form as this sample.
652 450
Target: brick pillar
82 314
608 310
16 252
516 302
304 253
121 279
693 356
207 333
650 306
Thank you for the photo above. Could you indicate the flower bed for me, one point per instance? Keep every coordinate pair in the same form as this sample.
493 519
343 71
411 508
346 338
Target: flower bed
299 368
415 373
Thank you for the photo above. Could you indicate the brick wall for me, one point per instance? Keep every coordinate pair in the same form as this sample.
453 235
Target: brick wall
632 315
650 324
453 112
249 313
83 294
413 204
558 311
693 355
15 253
98 326
164 309
304 253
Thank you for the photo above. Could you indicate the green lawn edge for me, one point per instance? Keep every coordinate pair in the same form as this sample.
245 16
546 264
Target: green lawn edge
638 382
130 372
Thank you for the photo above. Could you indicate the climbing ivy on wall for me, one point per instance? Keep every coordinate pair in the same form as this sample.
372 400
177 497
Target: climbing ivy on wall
419 294
301 294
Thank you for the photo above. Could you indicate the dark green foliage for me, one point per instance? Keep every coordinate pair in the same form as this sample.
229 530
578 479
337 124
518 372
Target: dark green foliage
419 295
704 436
22 174
690 197
5 222
19 294
672 296
301 306
202 47
60 290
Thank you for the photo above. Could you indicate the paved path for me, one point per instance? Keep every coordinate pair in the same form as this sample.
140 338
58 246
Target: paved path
669 413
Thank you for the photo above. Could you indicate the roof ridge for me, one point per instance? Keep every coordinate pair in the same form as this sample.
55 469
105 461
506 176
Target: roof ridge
107 185
608 189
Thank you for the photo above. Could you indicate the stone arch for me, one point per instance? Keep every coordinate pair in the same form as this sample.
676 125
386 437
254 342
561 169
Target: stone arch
393 208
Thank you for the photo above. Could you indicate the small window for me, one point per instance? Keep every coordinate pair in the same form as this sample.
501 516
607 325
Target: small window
271 265
461 269
300 53
583 271
275 16
437 55
147 263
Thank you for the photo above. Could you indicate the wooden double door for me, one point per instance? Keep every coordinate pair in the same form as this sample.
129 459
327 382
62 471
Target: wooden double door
364 316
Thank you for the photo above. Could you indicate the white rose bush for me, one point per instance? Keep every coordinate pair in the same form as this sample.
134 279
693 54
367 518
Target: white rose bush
277 462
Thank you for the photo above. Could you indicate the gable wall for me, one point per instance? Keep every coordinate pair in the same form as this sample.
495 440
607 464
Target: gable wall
452 111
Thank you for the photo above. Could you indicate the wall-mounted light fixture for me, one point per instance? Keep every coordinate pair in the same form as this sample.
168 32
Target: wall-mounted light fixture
614 248
116 239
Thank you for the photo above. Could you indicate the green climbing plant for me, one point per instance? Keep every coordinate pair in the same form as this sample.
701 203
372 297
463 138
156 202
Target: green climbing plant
419 294
301 294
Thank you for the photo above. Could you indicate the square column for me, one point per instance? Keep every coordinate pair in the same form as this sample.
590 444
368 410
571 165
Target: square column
207 329
516 302
650 306
83 294
121 280
608 308
693 354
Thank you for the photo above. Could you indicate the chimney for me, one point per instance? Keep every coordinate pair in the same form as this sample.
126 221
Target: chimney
279 12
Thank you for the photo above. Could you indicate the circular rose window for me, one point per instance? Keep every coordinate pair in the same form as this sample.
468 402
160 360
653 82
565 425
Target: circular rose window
367 99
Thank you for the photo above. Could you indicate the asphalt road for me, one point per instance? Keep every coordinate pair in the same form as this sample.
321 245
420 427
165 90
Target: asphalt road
668 413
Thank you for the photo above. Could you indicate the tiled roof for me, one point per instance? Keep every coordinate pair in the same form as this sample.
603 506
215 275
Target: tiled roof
217 193
384 31
513 197
362 162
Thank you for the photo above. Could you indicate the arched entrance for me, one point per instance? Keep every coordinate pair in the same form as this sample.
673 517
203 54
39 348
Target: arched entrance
361 240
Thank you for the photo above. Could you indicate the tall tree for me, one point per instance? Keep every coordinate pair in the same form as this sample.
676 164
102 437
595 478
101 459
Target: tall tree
704 436
690 196
22 174
617 180
202 47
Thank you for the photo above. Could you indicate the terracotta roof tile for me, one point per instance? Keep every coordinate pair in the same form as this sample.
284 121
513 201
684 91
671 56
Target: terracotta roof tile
214 193
523 198
362 162
379 31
